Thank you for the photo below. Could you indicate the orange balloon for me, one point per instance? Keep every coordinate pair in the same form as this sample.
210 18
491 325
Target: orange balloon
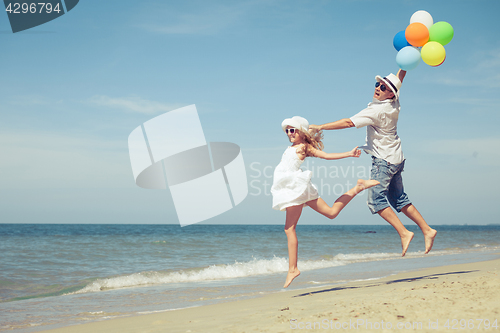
417 34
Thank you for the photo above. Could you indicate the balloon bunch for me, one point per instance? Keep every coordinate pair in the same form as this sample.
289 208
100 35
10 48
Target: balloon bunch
422 39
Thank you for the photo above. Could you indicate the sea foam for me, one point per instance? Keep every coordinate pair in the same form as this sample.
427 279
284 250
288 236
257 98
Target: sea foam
215 272
254 267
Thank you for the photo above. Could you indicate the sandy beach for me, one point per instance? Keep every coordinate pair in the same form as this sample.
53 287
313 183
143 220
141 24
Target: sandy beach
448 298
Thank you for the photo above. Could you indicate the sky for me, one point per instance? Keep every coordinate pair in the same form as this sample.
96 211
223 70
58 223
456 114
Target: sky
73 89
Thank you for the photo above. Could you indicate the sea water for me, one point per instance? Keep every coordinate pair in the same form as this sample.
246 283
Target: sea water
60 275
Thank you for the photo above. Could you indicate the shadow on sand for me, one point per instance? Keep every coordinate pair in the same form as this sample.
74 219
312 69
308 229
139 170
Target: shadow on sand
412 279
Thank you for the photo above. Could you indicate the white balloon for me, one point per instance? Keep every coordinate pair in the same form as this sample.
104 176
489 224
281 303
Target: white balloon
423 17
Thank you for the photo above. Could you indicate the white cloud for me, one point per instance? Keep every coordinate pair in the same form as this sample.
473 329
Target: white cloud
488 60
56 160
133 104
484 151
482 102
483 71
203 20
33 99
452 80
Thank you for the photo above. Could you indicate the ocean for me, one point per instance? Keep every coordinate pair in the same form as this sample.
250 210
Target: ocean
54 275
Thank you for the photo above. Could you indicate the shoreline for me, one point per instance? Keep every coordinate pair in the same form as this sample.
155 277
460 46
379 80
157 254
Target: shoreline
427 300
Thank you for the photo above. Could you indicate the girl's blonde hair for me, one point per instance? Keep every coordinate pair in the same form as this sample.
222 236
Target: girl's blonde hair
313 138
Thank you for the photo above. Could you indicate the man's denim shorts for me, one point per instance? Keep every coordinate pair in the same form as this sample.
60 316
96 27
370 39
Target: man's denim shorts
390 187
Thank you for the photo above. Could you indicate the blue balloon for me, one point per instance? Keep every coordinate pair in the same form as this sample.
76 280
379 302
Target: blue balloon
408 58
400 41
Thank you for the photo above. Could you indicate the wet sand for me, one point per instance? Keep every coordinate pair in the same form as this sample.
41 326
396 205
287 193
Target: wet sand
462 297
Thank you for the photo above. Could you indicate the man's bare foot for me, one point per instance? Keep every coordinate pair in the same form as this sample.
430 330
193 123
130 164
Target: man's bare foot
429 240
405 242
290 276
364 184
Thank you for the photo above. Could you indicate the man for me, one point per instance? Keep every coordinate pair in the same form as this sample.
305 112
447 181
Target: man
384 144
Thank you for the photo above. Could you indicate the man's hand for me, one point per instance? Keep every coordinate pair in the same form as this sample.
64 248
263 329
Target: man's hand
401 75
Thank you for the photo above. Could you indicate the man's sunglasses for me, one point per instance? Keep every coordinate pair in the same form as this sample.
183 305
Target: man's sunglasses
291 130
382 86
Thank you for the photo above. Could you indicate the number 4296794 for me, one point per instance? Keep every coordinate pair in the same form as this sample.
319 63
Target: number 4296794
456 324
34 7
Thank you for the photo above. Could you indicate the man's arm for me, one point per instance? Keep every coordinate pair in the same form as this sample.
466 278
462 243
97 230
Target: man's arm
401 75
336 125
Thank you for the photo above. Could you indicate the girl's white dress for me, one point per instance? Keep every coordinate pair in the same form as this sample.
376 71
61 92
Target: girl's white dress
291 185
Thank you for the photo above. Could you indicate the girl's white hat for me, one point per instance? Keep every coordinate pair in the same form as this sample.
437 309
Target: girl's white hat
296 122
392 82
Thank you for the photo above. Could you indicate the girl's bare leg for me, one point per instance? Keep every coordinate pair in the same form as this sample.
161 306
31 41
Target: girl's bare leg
331 212
292 217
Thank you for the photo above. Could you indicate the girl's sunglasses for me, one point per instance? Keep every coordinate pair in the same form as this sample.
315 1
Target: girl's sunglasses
291 130
382 86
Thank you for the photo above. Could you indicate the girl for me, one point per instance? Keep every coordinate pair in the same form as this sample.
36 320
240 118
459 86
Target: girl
292 188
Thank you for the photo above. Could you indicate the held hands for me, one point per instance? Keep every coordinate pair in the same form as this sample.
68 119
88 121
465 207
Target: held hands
355 152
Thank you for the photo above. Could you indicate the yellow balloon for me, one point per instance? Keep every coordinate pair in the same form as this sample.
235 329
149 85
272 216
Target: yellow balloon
433 53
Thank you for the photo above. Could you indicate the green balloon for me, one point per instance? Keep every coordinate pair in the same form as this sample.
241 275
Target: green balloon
441 32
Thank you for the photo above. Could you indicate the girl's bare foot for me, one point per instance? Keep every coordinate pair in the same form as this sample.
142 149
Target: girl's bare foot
405 242
364 184
429 240
290 276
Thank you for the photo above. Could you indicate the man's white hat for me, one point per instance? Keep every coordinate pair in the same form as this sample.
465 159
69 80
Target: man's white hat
392 82
296 122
